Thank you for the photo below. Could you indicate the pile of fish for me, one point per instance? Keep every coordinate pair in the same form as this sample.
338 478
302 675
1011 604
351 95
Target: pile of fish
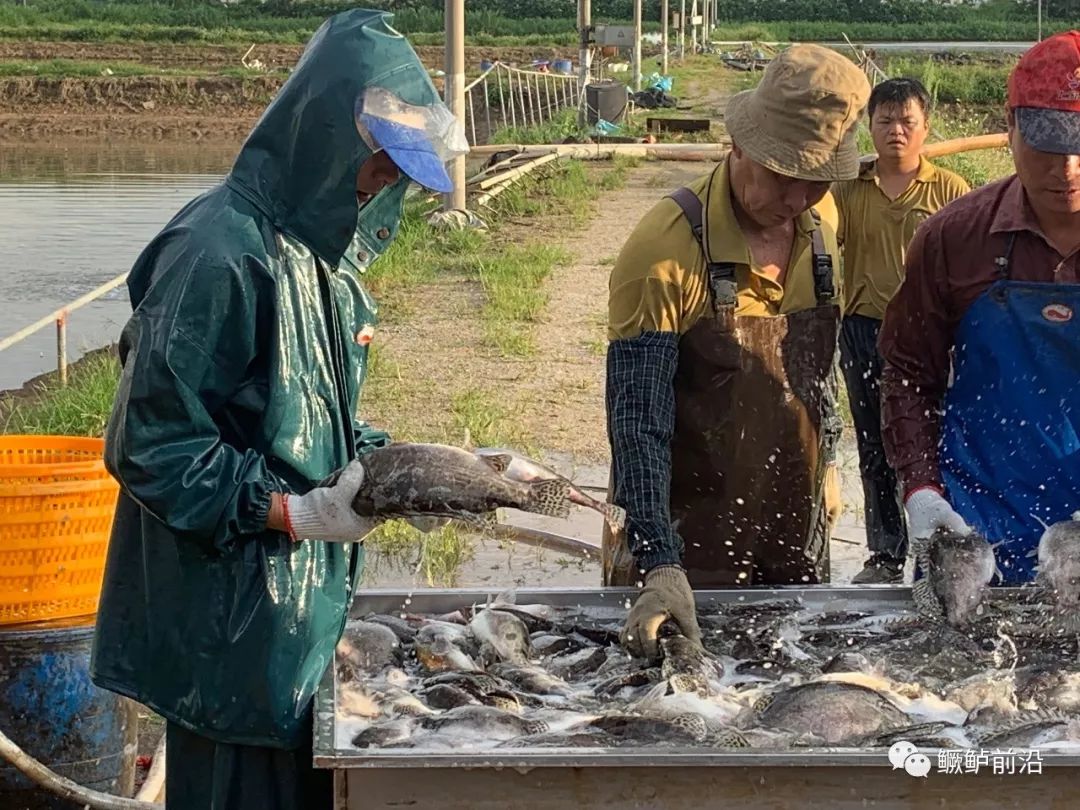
774 674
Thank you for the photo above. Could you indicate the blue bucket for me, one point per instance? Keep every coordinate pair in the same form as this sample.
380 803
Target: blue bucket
563 66
51 710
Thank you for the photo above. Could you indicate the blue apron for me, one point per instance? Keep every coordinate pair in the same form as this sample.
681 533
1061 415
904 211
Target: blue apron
1010 450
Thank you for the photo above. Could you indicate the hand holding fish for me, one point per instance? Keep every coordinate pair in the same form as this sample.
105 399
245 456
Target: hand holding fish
928 511
326 512
666 595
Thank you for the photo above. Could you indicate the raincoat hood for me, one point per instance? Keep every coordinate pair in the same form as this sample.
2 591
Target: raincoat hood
299 164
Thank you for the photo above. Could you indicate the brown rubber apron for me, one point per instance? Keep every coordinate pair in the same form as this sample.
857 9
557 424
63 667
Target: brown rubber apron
755 402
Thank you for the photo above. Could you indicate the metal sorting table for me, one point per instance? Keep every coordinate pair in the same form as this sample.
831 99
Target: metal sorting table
660 778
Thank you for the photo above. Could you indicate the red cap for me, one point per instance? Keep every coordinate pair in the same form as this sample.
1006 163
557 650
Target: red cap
1044 89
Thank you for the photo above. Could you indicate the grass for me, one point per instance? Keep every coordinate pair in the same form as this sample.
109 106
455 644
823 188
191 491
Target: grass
80 409
436 556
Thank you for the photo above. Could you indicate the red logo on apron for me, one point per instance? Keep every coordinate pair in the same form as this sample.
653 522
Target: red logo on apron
1057 313
365 335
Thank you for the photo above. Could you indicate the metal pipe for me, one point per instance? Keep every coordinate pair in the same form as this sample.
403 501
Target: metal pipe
472 118
529 92
455 93
539 105
487 108
521 98
78 303
61 348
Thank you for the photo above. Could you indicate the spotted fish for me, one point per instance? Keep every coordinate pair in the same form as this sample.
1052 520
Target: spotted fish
957 568
405 480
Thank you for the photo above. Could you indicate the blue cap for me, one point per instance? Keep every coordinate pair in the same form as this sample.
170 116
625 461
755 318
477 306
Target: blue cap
411 151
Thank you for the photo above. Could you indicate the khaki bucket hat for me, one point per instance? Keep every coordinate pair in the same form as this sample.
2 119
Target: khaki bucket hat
800 121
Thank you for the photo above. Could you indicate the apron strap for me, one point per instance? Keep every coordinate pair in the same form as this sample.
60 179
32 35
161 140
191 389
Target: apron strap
1004 261
823 265
721 274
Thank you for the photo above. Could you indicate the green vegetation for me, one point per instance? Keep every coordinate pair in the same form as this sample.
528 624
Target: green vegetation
79 409
972 84
517 22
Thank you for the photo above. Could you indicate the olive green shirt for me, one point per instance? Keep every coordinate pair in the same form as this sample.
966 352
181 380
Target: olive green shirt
659 282
876 231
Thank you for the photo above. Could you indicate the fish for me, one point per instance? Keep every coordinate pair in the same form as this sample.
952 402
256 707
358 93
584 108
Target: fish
483 721
447 696
437 651
957 568
481 687
838 713
573 665
1050 689
685 665
406 480
1028 730
367 648
685 728
383 735
554 643
1059 568
517 467
405 631
502 636
379 699
532 679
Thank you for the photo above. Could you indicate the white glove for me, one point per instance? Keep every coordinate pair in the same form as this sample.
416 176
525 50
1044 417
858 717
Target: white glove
927 511
326 513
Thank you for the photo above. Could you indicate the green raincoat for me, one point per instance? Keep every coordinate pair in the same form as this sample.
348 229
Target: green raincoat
242 367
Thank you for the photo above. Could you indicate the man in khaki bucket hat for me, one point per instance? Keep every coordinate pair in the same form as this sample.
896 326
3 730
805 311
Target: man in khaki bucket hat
721 370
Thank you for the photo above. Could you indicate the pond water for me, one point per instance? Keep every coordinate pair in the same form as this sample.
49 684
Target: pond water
73 216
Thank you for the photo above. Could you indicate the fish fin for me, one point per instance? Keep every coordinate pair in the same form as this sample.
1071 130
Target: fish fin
920 550
550 497
507 597
615 517
763 703
694 724
499 462
730 738
530 727
926 601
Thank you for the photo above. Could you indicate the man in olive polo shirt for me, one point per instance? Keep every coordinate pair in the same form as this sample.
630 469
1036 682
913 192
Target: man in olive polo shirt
879 213
721 373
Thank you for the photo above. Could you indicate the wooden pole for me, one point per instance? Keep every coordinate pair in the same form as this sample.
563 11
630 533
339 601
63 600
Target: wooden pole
693 28
637 45
664 37
455 93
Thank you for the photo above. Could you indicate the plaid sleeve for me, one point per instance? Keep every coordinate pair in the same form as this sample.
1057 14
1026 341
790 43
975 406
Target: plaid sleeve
641 420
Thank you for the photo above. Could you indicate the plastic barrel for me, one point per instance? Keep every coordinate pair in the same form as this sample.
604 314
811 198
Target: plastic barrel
563 66
51 710
605 100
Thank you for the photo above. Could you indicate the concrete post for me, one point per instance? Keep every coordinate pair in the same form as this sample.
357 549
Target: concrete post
454 93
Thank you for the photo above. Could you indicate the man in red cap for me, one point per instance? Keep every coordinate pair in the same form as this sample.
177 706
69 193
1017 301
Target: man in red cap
981 387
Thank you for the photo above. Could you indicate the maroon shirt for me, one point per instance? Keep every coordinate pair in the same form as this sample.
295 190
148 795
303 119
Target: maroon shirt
950 263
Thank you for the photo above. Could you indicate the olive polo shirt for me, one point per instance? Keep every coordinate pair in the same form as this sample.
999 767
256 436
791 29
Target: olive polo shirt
875 231
659 282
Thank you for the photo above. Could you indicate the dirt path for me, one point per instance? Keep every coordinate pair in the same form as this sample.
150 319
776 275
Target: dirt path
561 396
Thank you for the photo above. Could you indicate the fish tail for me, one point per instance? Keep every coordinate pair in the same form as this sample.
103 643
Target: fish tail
926 601
550 497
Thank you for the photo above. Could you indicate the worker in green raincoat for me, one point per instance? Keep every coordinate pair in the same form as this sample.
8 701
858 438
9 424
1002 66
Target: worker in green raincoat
242 366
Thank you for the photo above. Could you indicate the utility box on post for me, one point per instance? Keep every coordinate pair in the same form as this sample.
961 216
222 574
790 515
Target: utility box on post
616 36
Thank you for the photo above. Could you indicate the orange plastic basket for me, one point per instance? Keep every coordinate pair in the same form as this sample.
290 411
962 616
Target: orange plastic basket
56 511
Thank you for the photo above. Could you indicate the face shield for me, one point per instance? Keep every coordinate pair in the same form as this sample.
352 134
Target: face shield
419 139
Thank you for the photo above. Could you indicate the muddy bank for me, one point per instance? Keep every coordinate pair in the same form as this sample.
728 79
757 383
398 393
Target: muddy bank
196 108
273 57
185 108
